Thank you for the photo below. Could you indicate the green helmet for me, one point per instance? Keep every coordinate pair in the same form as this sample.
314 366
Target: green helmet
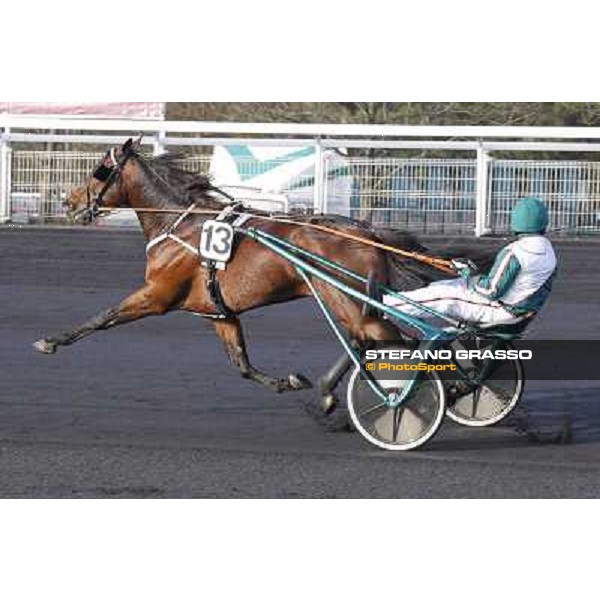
530 215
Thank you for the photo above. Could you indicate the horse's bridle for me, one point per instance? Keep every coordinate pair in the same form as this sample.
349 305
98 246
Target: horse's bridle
107 174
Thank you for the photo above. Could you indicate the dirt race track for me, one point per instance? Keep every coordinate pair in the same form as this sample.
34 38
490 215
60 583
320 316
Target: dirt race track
154 410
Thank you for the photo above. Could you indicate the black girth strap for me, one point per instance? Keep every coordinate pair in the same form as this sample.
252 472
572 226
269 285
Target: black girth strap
231 216
214 289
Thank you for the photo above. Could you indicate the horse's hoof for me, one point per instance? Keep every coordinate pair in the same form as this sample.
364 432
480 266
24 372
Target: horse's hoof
299 382
329 404
45 347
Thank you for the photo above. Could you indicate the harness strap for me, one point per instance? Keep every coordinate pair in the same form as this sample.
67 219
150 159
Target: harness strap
214 289
168 235
228 214
171 236
229 211
182 217
113 157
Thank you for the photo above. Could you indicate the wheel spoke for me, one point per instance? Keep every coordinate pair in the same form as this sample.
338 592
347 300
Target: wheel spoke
397 419
475 406
372 409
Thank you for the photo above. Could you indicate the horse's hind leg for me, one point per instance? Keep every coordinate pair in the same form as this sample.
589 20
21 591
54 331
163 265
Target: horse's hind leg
367 329
330 381
230 332
361 327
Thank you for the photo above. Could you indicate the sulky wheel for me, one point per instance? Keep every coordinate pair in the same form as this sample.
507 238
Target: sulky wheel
407 427
491 402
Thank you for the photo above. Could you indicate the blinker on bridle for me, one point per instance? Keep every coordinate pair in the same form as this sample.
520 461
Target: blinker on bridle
108 175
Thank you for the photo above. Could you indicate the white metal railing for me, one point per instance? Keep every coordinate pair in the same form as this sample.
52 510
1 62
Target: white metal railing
439 196
163 128
571 190
42 180
433 196
423 195
5 180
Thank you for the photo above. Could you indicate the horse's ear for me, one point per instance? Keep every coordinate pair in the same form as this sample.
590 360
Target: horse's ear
138 143
127 145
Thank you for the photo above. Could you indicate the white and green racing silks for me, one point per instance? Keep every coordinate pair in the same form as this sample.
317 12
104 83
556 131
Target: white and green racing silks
498 282
522 276
535 302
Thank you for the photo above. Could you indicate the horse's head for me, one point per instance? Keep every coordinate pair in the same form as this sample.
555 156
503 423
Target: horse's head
103 189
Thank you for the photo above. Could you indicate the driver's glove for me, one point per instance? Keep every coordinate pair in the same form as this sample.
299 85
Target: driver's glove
465 268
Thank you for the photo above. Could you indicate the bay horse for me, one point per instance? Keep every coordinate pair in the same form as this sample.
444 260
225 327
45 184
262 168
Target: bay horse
255 277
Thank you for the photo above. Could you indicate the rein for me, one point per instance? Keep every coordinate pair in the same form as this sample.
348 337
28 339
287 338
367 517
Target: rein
440 264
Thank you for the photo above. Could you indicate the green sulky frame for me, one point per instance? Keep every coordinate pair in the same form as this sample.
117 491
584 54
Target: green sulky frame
432 337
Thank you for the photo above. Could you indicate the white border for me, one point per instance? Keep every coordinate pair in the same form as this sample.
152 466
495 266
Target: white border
295 549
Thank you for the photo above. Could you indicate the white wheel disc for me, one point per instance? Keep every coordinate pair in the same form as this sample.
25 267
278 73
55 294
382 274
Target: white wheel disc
492 402
404 428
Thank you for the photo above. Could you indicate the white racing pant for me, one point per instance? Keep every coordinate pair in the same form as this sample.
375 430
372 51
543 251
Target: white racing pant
454 299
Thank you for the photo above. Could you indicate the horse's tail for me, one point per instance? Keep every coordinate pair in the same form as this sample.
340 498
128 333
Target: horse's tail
482 253
408 274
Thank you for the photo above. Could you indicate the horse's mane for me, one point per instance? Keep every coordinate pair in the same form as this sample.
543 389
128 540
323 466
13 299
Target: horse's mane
168 183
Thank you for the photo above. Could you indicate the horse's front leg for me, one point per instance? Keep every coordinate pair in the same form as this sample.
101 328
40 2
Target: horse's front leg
143 303
230 332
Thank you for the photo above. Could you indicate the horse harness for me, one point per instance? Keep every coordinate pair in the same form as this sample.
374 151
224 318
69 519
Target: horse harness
230 215
108 174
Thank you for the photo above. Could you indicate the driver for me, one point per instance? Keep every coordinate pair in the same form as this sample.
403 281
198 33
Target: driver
516 287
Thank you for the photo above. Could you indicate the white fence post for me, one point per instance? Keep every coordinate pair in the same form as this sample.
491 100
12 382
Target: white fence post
320 174
5 178
158 144
326 187
481 214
